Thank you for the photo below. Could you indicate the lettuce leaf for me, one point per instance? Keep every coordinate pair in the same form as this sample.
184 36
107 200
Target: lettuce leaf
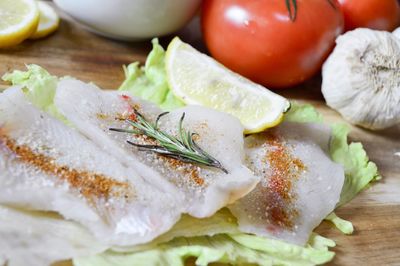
237 249
214 239
344 226
39 87
150 81
222 222
359 170
303 113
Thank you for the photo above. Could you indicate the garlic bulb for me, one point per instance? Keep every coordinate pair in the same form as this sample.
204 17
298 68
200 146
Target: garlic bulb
361 78
396 33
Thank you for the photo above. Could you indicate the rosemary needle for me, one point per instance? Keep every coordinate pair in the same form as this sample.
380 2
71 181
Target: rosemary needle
183 147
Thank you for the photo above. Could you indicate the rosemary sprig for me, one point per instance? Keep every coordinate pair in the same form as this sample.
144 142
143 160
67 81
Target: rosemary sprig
183 148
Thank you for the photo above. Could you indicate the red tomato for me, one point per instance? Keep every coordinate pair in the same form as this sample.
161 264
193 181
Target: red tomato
374 14
259 40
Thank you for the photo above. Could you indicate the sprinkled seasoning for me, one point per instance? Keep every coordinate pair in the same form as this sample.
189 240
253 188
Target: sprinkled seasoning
179 173
101 116
125 97
91 185
160 157
185 169
285 169
130 113
126 115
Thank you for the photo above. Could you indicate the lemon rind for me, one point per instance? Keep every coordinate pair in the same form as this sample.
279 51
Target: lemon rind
20 32
41 33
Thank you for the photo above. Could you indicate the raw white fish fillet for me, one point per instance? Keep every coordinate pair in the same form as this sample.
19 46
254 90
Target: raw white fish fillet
48 166
40 239
300 185
205 190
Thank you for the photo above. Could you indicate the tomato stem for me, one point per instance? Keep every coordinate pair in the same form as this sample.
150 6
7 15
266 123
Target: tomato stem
292 12
291 6
332 3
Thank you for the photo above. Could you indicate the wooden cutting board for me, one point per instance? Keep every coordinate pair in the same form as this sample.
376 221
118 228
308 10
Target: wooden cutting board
375 213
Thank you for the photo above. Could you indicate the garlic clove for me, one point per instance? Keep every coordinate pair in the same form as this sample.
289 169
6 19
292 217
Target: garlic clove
361 78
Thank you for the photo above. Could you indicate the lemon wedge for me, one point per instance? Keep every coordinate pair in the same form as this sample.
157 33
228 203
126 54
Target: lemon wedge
49 21
197 79
18 20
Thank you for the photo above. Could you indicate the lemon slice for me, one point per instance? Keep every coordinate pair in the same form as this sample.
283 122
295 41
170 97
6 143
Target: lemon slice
198 79
48 23
18 20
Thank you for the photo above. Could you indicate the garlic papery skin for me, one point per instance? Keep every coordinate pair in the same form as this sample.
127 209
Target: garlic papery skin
361 78
396 33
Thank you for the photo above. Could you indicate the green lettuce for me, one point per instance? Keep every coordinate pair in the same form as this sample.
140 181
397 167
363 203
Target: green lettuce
303 113
222 222
150 82
39 87
359 170
344 226
214 239
236 249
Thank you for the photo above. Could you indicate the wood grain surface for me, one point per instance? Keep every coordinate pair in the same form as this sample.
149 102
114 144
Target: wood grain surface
375 213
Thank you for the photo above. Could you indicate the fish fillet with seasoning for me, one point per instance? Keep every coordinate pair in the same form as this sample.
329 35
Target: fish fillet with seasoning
37 238
300 185
205 189
48 166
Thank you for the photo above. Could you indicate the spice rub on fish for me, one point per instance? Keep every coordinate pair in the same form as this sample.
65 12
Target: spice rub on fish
300 185
48 166
203 189
91 185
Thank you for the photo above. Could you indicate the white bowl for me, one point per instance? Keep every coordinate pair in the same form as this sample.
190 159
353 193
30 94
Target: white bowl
131 19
